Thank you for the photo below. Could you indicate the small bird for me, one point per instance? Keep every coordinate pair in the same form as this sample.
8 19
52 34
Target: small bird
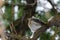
34 24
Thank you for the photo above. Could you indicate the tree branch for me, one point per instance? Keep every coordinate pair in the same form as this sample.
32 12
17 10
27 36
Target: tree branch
53 7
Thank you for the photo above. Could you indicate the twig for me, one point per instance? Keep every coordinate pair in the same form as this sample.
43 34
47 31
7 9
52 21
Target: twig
13 28
53 7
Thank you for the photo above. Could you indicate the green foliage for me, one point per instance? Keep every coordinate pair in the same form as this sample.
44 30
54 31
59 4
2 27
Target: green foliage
52 13
41 17
16 1
28 33
54 28
59 33
8 14
20 12
45 36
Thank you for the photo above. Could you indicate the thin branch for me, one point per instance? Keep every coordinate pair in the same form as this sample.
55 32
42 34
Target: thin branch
53 7
14 29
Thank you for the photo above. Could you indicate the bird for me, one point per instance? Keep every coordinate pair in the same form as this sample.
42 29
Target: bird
34 24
